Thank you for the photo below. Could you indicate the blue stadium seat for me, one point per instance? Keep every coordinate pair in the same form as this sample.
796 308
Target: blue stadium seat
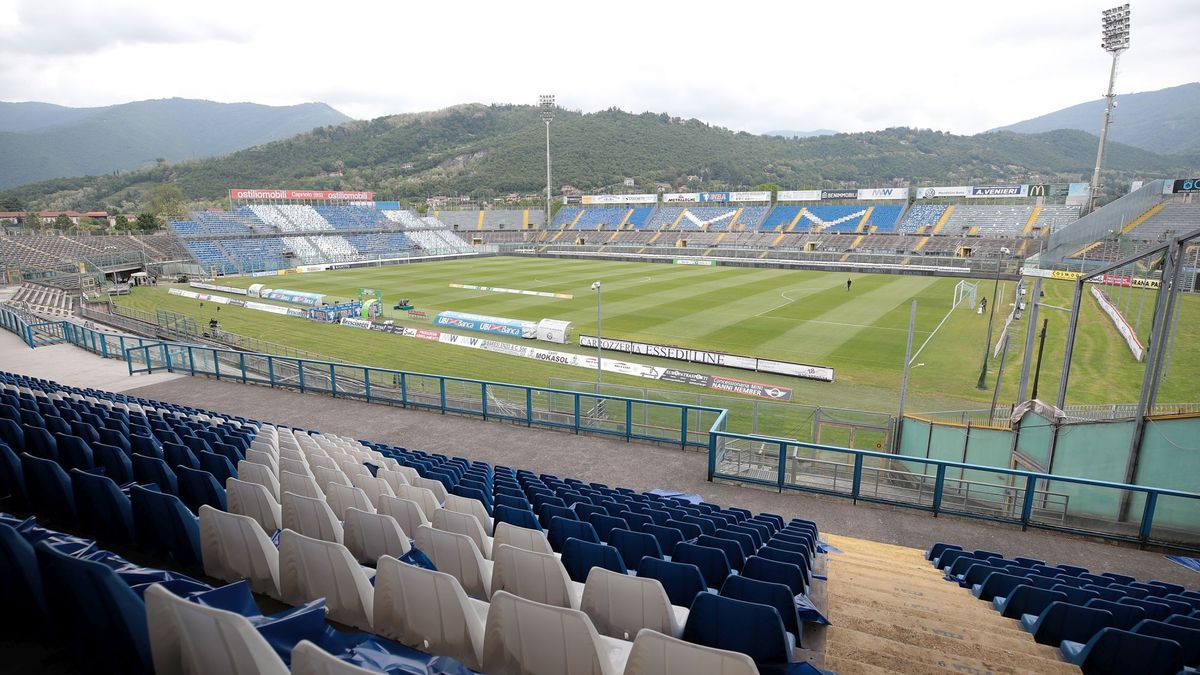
145 445
176 455
637 521
1063 621
519 503
197 488
519 517
766 593
74 452
40 443
1028 562
1026 599
48 488
579 557
747 627
152 470
1156 611
732 549
1124 617
771 553
682 582
218 465
586 510
94 606
114 462
1170 588
475 493
774 571
1119 578
1115 651
751 532
1188 638
668 537
12 477
605 524
711 562
116 438
688 530
12 434
633 546
165 526
996 584
547 512
20 583
562 529
104 510
936 550
744 540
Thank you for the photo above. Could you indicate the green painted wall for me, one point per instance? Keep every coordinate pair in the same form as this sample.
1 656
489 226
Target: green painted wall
1171 458
1097 451
1034 437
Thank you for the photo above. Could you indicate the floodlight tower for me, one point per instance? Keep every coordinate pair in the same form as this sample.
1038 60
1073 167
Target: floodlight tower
1114 39
547 103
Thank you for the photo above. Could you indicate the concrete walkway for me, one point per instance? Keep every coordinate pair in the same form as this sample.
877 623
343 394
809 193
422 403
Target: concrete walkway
642 467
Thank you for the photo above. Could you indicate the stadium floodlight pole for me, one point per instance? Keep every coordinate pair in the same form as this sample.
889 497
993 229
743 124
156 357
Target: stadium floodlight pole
547 104
987 343
596 287
1114 40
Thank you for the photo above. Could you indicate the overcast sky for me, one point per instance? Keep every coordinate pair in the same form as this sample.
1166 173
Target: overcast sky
963 66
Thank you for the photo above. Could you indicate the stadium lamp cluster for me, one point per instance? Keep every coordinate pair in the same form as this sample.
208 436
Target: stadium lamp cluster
1115 36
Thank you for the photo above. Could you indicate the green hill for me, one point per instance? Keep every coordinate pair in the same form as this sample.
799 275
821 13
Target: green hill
1163 121
41 140
484 151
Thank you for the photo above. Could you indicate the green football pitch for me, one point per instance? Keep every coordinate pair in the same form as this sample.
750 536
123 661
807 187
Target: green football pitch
804 316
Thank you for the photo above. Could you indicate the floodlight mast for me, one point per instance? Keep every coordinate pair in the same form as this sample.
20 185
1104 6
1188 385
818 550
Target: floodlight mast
547 104
1114 40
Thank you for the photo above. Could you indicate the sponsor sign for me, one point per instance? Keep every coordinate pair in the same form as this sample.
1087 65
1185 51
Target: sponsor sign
839 194
215 287
686 377
798 196
1038 190
1064 274
487 324
760 196
1186 185
417 314
680 197
807 371
241 194
745 388
713 197
695 261
883 193
995 191
1123 327
943 191
619 199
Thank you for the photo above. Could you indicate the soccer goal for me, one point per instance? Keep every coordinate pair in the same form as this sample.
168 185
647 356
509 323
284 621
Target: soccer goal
964 291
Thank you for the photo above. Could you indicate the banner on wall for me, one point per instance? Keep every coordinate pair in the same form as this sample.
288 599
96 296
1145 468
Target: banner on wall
669 197
883 193
758 196
487 324
1123 327
1185 185
242 194
713 197
798 196
997 191
839 194
215 287
599 200
943 191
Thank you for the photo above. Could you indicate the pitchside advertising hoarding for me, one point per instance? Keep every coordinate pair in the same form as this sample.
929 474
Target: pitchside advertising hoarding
487 324
803 370
600 200
243 194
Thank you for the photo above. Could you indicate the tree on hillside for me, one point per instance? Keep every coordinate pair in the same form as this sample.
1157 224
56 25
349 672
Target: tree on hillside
63 223
10 203
32 221
166 201
147 222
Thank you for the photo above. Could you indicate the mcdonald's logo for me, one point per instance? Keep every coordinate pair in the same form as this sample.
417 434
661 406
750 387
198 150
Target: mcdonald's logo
1038 190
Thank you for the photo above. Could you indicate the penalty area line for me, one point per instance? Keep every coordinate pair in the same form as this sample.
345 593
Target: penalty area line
935 330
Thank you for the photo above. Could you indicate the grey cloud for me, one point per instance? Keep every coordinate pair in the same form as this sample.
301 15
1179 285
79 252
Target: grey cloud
73 27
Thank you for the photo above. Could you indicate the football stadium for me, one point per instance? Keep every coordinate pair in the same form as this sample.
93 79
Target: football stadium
899 428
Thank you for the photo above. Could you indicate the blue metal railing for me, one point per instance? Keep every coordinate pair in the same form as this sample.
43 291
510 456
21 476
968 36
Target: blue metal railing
1024 498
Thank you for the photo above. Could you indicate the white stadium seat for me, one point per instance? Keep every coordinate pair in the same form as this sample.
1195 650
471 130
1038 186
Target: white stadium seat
621 605
540 577
656 654
311 517
530 638
235 547
310 569
254 500
457 555
370 535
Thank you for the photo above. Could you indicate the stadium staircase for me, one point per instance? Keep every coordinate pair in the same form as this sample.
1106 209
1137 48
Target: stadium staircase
862 224
937 227
1143 218
1037 212
792 225
893 613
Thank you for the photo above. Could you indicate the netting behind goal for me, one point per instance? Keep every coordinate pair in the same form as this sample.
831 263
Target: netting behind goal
964 291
